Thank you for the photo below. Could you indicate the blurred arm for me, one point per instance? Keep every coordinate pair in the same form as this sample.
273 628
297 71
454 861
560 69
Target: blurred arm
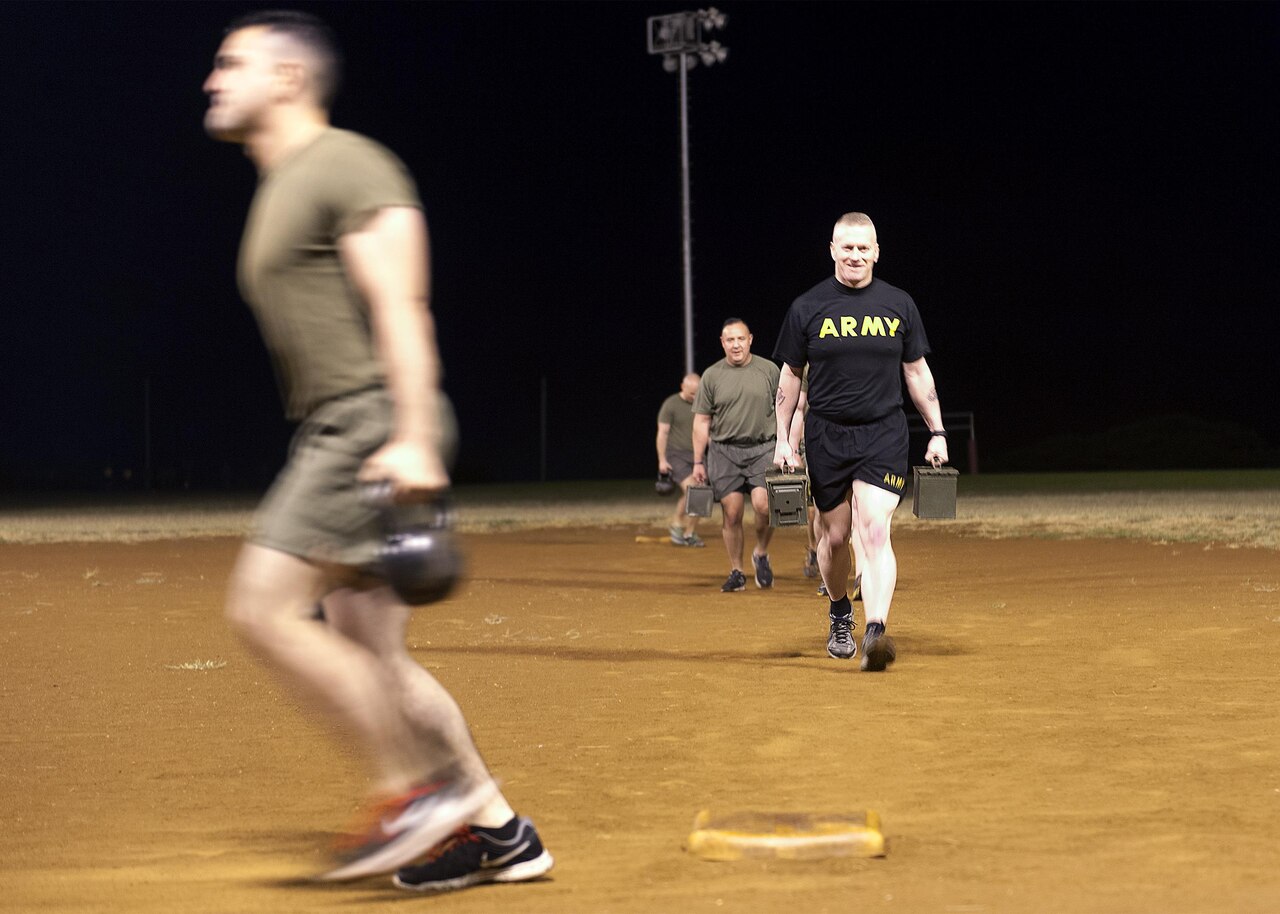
387 262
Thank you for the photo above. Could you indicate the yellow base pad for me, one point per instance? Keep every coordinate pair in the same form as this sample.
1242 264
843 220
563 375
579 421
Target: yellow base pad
785 836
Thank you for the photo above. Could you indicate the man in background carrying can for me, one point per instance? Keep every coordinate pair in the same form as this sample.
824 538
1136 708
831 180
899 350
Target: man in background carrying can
675 456
733 444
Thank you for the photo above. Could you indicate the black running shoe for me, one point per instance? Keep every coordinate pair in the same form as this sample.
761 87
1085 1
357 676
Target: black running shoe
878 649
764 572
840 643
736 581
472 855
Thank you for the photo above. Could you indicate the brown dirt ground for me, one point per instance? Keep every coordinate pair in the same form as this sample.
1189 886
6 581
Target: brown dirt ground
1072 726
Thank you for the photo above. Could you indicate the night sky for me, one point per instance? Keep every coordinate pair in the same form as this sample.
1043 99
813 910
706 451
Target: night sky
1081 197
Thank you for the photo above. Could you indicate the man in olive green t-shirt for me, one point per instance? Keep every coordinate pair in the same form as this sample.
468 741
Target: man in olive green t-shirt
733 439
675 455
334 265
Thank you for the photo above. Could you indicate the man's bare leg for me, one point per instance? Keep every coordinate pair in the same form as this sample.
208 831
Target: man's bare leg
271 597
764 532
875 507
430 785
378 620
833 551
833 559
859 556
732 508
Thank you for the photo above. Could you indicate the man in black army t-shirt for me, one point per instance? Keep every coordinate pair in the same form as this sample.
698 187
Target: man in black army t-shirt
854 331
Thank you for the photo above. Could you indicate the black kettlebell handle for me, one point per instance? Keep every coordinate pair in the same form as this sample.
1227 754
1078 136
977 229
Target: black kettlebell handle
433 513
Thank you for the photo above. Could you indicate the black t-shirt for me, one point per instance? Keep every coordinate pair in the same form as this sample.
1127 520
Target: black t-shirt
854 341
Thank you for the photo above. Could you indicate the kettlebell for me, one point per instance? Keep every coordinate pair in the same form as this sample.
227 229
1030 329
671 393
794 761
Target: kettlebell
664 486
419 558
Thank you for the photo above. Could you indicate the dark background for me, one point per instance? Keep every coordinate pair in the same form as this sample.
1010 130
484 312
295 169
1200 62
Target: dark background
1081 197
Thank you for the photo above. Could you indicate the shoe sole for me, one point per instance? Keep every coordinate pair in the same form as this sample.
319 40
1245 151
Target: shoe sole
520 872
733 589
834 656
879 654
416 841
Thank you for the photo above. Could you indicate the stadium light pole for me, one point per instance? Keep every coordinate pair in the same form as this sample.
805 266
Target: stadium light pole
681 40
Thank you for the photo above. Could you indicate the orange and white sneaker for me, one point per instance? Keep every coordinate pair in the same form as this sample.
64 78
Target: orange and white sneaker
399 829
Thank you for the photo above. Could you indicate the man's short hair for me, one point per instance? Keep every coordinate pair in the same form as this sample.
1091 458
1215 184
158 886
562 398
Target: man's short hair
310 32
854 219
733 320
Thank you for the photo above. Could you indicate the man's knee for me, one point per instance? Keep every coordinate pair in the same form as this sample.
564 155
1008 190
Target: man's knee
875 535
247 609
267 588
834 529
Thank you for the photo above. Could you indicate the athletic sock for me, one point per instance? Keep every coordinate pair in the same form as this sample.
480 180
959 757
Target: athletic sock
506 830
842 607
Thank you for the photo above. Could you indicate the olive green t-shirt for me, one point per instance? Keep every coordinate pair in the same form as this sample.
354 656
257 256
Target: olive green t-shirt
313 321
739 400
679 415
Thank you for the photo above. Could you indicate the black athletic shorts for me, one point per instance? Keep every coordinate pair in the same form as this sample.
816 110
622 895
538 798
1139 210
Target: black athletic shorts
838 454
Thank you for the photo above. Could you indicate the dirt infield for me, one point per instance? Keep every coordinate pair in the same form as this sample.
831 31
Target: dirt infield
1074 726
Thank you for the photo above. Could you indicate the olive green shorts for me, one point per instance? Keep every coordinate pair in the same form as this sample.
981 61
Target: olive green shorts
315 509
738 467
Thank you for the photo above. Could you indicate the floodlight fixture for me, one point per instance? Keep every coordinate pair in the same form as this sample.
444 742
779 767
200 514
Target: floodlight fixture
715 52
713 18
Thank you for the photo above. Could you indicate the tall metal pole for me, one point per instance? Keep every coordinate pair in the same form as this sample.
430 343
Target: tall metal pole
686 233
681 40
146 433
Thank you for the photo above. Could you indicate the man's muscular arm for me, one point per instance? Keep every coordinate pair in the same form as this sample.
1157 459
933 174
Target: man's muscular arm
925 396
788 398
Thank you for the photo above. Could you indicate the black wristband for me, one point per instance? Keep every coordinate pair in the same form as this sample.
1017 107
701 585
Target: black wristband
697 463
937 433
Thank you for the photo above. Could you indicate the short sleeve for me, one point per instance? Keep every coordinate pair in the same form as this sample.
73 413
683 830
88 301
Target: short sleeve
793 346
704 402
372 178
916 345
